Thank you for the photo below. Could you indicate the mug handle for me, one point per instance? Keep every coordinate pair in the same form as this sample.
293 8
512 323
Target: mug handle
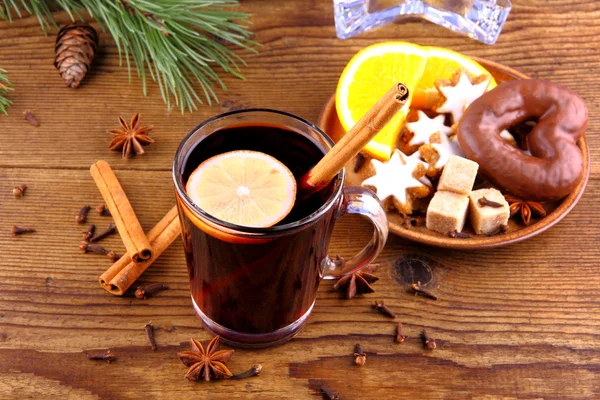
362 201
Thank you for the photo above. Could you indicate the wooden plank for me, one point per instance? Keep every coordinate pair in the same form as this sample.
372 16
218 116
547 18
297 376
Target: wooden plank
296 70
516 322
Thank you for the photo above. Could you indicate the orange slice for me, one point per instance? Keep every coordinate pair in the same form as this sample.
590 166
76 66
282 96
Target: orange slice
245 188
442 64
366 78
374 69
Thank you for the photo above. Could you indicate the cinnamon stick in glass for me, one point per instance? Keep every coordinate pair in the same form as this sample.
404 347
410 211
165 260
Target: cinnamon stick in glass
123 273
354 141
133 236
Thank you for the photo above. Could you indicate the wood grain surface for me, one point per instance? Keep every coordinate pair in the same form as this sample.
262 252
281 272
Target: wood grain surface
520 322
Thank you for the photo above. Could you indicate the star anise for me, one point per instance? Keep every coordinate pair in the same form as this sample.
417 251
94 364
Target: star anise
357 283
131 137
526 208
209 364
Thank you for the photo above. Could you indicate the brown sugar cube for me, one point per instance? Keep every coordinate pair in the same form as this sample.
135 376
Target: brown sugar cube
447 212
458 175
487 219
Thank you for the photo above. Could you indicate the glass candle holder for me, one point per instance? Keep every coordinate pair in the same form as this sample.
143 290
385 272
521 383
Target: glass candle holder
481 20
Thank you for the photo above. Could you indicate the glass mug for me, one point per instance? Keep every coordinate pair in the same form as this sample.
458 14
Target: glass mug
255 287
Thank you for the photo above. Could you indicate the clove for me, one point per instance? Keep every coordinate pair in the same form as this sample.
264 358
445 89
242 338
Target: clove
97 249
382 308
102 210
144 292
107 232
17 230
255 370
329 394
112 256
428 342
360 161
19 191
106 356
360 358
399 336
149 328
500 229
81 216
483 202
418 289
458 235
87 235
30 118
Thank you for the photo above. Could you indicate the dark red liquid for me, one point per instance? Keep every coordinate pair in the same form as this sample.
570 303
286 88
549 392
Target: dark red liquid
259 288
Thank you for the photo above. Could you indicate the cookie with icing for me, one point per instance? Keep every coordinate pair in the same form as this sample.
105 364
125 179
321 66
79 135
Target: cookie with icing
397 181
421 130
438 152
458 92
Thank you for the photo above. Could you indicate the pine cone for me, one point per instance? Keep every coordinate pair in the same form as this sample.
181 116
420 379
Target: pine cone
74 52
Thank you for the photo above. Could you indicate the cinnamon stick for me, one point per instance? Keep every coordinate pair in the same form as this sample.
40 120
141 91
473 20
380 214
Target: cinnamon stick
353 142
133 236
122 274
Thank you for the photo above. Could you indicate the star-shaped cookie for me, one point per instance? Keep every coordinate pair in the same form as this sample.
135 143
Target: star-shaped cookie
397 183
459 92
424 127
438 152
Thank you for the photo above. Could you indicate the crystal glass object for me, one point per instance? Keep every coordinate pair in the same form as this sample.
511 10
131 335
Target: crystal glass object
479 19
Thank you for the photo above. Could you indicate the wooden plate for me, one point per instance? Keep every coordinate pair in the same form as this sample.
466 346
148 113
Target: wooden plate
329 122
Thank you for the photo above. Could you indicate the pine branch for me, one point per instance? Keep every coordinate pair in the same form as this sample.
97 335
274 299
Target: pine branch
179 43
5 88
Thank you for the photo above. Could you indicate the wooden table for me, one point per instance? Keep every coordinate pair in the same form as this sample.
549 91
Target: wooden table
521 321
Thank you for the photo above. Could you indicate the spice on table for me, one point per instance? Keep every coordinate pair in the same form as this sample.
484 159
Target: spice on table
329 394
130 229
399 336
19 230
382 308
206 364
27 114
484 202
255 370
112 256
131 137
458 235
82 214
358 282
97 249
122 274
144 292
428 342
107 232
360 161
360 358
418 289
527 208
149 329
19 191
106 356
89 233
102 210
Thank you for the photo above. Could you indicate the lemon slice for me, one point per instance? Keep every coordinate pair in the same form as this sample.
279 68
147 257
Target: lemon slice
367 77
247 188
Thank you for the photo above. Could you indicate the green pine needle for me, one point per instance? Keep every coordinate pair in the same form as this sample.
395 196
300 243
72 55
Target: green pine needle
180 44
5 88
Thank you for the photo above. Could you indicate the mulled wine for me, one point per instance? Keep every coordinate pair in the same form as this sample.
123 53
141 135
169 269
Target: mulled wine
256 286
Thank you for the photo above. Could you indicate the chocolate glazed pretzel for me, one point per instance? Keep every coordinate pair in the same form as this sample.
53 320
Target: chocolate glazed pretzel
555 166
